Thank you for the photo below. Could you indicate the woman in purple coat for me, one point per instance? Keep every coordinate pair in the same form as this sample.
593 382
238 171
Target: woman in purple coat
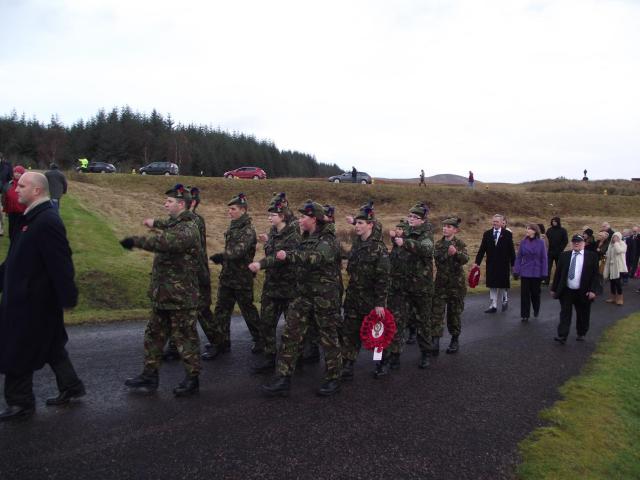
531 267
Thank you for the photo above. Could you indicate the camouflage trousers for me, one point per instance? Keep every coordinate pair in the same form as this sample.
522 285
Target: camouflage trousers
350 334
418 313
205 316
270 311
179 325
227 298
302 312
398 306
452 301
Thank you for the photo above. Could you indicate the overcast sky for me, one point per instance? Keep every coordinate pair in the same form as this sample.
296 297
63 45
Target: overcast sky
512 89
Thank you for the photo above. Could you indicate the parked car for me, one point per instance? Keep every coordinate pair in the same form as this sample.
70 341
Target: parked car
246 172
101 167
346 177
159 168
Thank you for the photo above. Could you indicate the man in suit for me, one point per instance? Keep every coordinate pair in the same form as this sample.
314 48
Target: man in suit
37 283
574 284
497 244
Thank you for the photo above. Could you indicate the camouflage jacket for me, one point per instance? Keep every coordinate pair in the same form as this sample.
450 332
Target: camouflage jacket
330 229
278 280
418 268
239 249
174 281
399 261
450 268
315 261
368 270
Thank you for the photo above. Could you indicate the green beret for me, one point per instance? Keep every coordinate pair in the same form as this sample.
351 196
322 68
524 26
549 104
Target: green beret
455 221
366 213
180 192
240 200
420 209
312 209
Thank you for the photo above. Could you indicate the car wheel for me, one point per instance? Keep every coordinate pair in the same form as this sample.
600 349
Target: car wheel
230 177
143 173
364 182
337 180
166 174
103 171
256 177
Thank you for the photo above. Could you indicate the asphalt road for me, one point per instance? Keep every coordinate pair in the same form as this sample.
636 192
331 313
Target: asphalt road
462 418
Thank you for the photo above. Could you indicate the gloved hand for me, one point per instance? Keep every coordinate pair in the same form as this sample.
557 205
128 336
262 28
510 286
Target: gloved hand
127 243
217 258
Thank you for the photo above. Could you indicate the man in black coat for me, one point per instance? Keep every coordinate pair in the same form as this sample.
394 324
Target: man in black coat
558 240
497 244
574 284
37 283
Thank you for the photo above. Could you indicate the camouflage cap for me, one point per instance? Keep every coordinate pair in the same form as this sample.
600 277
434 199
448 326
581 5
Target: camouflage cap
240 200
455 221
279 203
402 224
366 212
180 192
312 209
420 209
280 197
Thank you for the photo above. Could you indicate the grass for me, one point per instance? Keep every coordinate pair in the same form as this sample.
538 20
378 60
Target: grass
594 432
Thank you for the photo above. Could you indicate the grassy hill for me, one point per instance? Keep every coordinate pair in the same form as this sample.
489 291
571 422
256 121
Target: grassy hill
101 209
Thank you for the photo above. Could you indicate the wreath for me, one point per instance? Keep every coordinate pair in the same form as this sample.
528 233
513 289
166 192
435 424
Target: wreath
377 333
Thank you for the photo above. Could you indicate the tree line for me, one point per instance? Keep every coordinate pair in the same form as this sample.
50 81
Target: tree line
130 140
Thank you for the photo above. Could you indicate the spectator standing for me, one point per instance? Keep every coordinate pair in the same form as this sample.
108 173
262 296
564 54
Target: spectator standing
57 184
627 236
422 182
615 266
13 207
636 242
6 174
590 243
354 175
471 180
558 240
531 267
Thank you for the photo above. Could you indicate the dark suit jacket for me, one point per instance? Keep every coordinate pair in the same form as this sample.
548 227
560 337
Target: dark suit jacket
500 258
588 279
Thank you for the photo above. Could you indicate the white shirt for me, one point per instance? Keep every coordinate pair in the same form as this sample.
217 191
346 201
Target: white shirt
575 283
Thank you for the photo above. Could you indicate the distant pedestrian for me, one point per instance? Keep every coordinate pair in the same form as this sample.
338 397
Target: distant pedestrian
422 182
13 207
57 184
615 266
354 175
558 239
531 267
497 244
37 282
627 237
471 180
574 284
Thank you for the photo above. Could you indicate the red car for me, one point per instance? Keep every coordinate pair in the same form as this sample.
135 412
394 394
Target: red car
246 172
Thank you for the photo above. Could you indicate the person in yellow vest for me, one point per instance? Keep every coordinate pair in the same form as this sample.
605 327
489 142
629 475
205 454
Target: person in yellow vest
83 164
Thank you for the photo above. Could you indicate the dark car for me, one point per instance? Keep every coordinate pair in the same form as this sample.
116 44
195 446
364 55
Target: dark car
246 172
100 167
159 168
346 177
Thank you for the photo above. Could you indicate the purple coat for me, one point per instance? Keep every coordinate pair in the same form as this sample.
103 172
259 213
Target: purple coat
531 261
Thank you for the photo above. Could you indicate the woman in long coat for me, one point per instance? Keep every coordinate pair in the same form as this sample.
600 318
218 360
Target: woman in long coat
615 266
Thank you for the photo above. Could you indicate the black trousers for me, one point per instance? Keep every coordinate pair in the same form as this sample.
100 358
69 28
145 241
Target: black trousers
569 300
552 258
18 389
616 286
529 295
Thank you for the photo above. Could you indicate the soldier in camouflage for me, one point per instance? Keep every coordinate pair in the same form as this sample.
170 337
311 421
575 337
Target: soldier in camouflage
173 293
235 280
418 270
451 287
277 292
316 301
368 269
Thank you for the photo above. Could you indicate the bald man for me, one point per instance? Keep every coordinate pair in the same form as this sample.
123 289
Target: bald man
37 284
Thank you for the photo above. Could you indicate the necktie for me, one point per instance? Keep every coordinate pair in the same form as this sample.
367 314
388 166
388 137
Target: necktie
572 266
495 236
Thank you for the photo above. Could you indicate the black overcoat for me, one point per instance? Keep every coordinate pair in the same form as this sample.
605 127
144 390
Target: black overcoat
588 277
37 283
500 258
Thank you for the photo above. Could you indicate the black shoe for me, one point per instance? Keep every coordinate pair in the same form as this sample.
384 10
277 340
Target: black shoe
257 347
524 319
580 338
424 360
535 314
328 388
491 310
189 386
65 396
435 346
412 336
347 370
279 388
453 345
15 412
382 369
266 365
561 340
505 306
214 351
145 382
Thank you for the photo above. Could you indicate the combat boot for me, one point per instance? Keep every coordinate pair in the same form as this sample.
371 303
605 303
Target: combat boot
347 370
145 382
266 365
214 351
279 388
435 346
424 360
412 336
189 386
329 387
382 369
453 346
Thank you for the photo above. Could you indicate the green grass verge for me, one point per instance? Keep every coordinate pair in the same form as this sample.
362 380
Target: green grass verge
594 432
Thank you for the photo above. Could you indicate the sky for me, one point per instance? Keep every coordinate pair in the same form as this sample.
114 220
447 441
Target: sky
514 90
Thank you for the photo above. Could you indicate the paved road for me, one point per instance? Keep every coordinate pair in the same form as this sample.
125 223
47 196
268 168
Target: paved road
462 418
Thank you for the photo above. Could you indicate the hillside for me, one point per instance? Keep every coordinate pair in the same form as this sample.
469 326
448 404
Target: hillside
443 178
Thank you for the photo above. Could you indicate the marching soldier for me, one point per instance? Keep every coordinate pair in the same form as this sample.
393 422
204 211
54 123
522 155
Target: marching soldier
419 270
368 269
174 295
316 301
277 292
450 287
235 280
